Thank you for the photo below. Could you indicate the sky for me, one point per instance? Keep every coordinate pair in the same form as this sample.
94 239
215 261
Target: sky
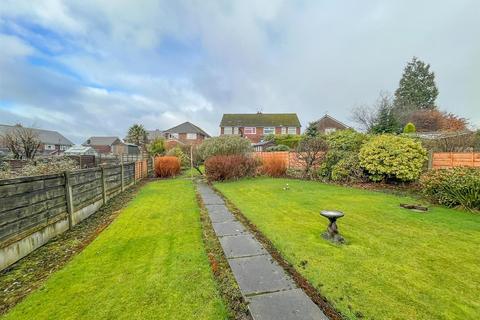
88 68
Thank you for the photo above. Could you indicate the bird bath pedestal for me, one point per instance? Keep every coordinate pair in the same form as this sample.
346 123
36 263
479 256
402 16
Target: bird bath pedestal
332 231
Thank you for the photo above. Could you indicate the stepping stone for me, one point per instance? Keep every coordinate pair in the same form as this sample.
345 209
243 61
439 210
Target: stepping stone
211 198
228 228
259 274
241 246
284 305
219 213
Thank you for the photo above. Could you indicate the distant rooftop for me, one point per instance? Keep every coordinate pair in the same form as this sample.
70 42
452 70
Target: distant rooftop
187 127
101 141
260 120
45 136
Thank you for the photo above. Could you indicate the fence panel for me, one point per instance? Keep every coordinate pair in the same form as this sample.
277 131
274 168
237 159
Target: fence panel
35 209
442 160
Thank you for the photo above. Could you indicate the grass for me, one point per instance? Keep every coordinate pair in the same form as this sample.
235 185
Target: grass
150 263
397 264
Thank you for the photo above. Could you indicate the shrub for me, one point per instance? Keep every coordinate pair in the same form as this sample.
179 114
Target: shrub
290 140
157 147
274 167
409 128
346 140
177 152
167 166
392 157
219 168
453 187
347 169
224 145
280 147
310 153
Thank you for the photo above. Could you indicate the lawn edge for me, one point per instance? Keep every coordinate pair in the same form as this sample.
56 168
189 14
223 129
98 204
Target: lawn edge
320 300
225 281
42 270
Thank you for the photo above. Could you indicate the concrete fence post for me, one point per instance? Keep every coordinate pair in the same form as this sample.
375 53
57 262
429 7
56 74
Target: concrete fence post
430 160
69 197
104 187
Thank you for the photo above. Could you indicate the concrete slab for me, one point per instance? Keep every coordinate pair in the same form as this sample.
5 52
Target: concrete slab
219 213
284 305
211 198
204 189
259 274
228 228
241 246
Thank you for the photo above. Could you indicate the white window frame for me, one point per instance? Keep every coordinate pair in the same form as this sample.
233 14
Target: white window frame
272 129
174 135
227 130
330 130
191 136
235 130
284 130
63 148
253 130
292 130
49 147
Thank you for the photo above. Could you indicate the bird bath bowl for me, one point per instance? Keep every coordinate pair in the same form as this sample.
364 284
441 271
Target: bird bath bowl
332 233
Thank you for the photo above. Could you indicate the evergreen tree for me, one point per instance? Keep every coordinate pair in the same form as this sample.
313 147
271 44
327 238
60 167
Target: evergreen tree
312 129
417 89
386 121
409 128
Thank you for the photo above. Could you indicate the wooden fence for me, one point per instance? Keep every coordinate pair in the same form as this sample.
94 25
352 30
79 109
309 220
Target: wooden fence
440 160
35 209
291 158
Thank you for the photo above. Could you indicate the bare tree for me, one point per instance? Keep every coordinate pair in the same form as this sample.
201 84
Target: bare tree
367 116
311 152
22 142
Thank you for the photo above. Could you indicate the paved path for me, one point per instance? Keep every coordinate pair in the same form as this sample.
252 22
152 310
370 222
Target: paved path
270 292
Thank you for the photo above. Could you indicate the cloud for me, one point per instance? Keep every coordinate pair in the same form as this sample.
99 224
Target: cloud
96 67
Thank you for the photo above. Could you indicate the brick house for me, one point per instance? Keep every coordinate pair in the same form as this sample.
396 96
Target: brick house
51 142
185 133
254 126
329 124
111 145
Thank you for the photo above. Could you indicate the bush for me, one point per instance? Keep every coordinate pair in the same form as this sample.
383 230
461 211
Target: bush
274 167
224 145
220 168
177 152
167 166
157 147
280 147
290 140
347 169
393 157
346 140
453 187
409 128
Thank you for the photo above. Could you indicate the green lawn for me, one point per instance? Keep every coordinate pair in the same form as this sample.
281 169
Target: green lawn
397 264
149 264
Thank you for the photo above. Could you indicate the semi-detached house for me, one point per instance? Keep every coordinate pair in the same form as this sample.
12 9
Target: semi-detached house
254 126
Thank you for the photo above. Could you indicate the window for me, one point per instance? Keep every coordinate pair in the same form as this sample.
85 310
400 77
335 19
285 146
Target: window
235 130
227 130
191 136
292 130
63 148
49 147
269 130
329 130
284 130
174 135
250 130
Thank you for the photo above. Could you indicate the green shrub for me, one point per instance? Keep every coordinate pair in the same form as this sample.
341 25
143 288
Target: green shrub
280 147
224 145
177 152
289 140
392 157
348 169
453 187
343 146
156 147
409 128
346 140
